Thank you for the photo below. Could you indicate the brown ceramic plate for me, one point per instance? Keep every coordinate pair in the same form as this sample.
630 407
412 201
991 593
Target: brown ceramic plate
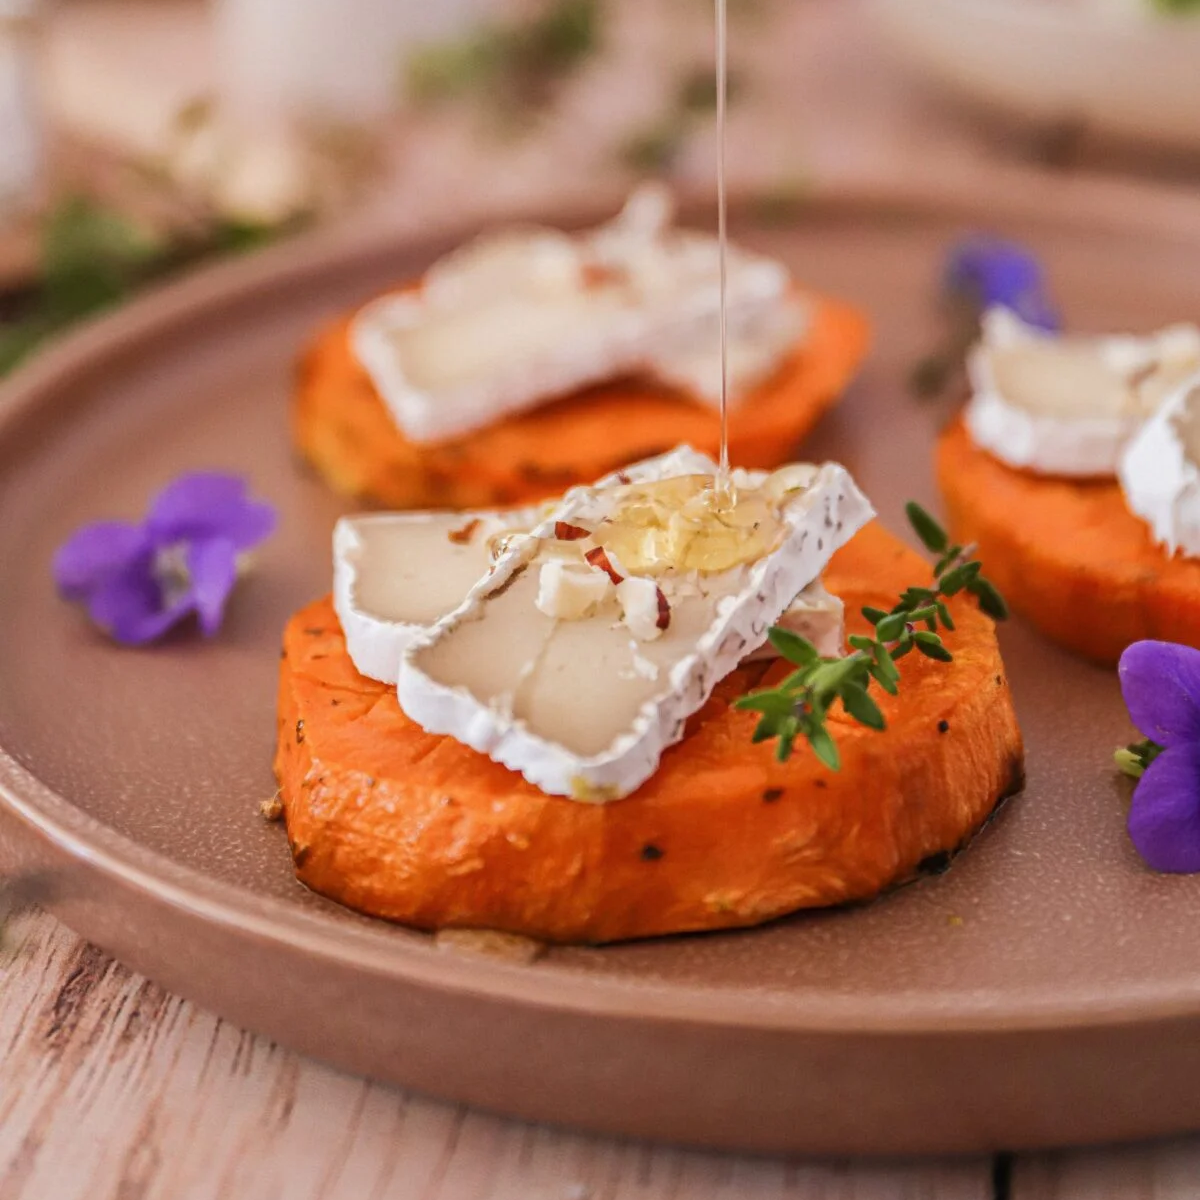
1045 990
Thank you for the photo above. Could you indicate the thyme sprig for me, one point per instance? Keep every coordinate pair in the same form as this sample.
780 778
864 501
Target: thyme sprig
799 706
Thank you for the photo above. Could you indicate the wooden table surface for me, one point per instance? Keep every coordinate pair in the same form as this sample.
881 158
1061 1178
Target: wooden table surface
112 1089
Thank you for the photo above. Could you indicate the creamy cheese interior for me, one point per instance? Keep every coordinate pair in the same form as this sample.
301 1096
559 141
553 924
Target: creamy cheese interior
1076 378
578 683
514 320
417 570
1070 405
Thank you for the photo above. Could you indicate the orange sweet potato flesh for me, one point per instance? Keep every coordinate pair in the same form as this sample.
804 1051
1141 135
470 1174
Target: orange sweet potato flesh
1069 556
342 428
417 828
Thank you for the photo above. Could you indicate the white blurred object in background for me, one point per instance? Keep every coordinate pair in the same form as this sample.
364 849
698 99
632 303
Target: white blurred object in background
334 59
20 123
1117 67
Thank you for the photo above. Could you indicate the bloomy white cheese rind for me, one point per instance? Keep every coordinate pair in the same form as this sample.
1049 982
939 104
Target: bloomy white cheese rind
657 335
376 644
834 510
1089 447
1083 447
1161 483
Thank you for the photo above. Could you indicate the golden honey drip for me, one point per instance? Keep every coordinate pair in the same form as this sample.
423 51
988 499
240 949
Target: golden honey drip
686 524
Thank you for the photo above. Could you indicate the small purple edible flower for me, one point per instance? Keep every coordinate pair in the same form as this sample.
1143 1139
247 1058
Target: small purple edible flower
1161 685
989 271
140 580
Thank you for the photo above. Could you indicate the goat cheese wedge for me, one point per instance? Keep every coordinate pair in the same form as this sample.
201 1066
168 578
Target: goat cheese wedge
1069 405
585 707
1160 472
395 575
513 320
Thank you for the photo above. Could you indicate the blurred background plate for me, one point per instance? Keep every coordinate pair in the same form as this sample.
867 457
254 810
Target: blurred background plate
1118 69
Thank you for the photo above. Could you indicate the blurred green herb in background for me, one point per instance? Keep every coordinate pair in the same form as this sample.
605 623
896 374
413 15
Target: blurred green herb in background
93 256
653 149
1175 7
517 64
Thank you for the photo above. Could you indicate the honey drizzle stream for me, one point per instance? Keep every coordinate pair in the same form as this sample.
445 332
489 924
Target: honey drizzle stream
723 489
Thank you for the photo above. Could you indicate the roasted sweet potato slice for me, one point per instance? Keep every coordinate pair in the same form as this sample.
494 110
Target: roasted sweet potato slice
1069 556
341 426
417 828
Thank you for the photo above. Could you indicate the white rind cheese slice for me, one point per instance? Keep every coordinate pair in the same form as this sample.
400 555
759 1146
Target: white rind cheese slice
395 575
1160 472
1069 405
516 319
581 708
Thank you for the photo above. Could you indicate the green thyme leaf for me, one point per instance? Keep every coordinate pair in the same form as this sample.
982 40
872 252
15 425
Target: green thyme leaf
824 747
933 537
792 646
990 599
799 705
886 664
957 578
930 645
769 703
891 627
858 703
787 739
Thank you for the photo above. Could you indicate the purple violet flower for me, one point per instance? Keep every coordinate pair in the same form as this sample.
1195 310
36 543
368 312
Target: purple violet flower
989 271
1161 685
139 581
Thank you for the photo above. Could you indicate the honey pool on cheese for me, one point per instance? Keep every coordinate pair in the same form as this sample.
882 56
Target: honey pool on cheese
583 700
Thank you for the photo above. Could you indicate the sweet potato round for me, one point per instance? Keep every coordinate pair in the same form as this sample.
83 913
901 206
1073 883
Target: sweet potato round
342 428
1068 555
417 828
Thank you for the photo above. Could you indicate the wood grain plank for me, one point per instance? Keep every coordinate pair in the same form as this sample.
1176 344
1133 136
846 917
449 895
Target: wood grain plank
112 1088
1154 1171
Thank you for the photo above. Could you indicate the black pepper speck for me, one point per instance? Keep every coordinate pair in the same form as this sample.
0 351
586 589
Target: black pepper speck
651 852
943 727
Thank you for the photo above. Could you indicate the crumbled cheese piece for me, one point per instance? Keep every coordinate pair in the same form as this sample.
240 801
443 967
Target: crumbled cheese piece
639 600
570 591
